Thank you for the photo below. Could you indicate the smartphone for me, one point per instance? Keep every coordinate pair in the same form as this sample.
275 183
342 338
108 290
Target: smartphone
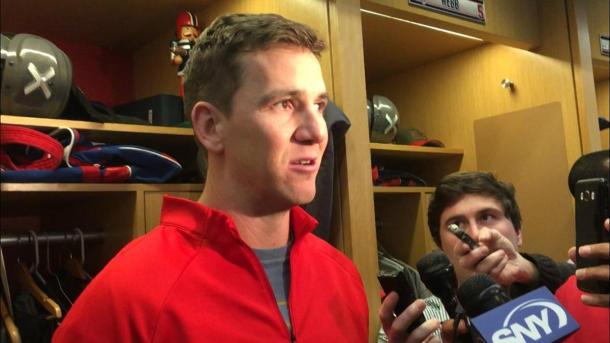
591 197
397 282
462 235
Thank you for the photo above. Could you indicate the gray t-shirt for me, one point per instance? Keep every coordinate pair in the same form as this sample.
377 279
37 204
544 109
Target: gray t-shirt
277 267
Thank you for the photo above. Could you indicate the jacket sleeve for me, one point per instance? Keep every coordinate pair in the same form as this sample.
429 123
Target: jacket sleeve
121 304
108 311
551 274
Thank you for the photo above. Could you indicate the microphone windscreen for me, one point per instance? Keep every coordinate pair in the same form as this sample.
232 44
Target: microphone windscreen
432 262
436 272
435 268
479 294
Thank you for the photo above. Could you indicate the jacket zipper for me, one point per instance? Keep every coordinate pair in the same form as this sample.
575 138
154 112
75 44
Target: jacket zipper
261 271
293 337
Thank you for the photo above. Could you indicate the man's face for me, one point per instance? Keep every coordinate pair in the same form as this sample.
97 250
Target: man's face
276 133
474 212
189 32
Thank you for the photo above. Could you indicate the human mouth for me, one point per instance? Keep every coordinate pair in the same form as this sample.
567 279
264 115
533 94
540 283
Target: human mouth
305 164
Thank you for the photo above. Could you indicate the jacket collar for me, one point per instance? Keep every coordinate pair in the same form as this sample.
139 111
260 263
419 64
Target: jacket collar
204 222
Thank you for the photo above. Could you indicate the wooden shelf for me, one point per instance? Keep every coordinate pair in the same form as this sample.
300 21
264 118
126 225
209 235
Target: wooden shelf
381 33
35 122
98 187
163 138
401 190
106 23
415 152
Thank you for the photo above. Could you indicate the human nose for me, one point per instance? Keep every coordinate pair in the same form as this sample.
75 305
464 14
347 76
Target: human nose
312 126
473 229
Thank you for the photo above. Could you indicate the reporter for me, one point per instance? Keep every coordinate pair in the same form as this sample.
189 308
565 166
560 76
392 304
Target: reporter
487 210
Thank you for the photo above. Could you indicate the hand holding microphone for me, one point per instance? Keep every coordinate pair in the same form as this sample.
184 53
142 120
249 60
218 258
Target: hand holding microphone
436 272
401 314
536 315
396 326
495 255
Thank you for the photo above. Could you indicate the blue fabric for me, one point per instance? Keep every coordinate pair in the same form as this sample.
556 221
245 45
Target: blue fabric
146 165
103 163
57 175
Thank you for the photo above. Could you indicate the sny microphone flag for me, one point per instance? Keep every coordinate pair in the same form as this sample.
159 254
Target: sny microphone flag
534 317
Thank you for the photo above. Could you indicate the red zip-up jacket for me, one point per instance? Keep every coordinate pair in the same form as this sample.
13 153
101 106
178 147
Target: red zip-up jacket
193 279
593 320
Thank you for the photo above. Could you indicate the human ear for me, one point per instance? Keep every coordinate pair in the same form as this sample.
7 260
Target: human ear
208 123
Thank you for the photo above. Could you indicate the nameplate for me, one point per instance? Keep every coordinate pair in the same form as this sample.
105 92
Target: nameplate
473 10
604 45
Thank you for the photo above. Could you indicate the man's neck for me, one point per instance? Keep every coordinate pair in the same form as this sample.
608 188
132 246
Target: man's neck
259 229
271 231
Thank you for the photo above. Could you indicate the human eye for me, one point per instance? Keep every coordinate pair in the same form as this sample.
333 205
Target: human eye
487 217
458 222
283 105
320 106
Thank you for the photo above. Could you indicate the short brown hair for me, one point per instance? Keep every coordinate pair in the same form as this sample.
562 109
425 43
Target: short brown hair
213 71
453 186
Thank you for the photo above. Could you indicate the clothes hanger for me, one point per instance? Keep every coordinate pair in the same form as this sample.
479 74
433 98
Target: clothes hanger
54 277
28 284
34 268
74 266
5 286
6 308
9 324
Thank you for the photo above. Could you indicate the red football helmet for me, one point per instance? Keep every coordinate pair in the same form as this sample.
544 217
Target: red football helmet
186 18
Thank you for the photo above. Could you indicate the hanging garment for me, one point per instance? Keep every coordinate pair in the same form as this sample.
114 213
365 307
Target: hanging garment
321 206
32 320
71 285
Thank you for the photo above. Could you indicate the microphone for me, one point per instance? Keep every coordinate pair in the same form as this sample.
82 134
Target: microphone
479 294
437 274
534 316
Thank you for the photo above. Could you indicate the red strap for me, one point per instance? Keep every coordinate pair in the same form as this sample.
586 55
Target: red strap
51 148
94 174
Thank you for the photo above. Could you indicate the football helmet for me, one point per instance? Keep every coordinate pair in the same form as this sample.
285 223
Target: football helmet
186 18
36 76
384 120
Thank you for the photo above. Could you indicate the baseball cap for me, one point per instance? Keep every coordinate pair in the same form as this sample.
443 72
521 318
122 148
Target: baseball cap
413 136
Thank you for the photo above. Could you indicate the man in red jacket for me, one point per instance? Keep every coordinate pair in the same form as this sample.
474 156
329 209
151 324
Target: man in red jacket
241 263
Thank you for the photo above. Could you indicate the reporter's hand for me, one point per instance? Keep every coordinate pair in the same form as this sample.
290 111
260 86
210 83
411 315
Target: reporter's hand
602 272
448 333
396 327
497 257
